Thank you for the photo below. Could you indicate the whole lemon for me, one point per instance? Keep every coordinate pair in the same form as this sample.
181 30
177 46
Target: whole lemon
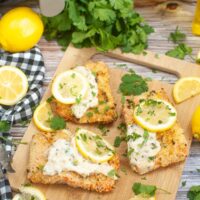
20 29
196 123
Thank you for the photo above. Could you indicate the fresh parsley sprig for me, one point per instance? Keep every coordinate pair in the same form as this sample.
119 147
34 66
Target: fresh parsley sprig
133 84
181 50
194 193
102 24
149 190
177 36
57 123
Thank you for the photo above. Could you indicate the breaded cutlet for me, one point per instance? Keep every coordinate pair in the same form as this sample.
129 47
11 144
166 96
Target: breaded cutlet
174 147
105 112
39 146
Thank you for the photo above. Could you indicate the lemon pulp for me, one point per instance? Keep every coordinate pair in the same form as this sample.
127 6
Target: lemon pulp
13 85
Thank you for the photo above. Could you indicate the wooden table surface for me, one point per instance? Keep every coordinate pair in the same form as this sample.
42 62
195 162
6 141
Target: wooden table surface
164 21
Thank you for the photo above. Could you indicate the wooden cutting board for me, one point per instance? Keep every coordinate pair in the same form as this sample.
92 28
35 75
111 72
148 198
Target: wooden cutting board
166 178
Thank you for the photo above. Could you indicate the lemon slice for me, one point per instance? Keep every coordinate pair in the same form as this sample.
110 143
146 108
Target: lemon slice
13 85
141 197
186 88
17 197
42 116
69 86
155 115
93 146
29 192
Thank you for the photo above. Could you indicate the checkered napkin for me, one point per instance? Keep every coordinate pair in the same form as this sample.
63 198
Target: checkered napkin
31 63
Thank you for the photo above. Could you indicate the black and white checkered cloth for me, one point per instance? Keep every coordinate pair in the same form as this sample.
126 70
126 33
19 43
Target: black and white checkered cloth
31 63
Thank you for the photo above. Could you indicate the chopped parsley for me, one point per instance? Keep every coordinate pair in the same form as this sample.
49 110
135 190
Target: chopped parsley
102 102
89 114
183 184
146 137
50 99
122 127
78 99
106 108
123 99
96 110
104 130
112 173
151 158
130 151
73 75
94 94
123 169
172 114
139 110
83 137
117 141
134 136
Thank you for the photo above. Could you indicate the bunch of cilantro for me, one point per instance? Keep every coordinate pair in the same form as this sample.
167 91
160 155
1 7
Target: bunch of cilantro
104 24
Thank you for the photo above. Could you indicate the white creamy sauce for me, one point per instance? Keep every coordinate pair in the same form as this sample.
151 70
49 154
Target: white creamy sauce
90 100
64 156
143 146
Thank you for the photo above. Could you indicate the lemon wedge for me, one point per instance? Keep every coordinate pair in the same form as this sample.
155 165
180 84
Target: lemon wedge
42 116
29 192
93 146
196 123
141 197
155 115
13 85
69 87
186 88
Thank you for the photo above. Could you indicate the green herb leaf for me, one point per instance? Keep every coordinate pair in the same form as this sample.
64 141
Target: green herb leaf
180 51
50 99
133 84
123 169
57 123
194 193
104 130
177 36
4 126
122 127
147 190
139 188
183 184
112 173
117 141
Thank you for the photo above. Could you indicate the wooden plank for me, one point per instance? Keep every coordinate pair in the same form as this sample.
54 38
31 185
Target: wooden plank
167 178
